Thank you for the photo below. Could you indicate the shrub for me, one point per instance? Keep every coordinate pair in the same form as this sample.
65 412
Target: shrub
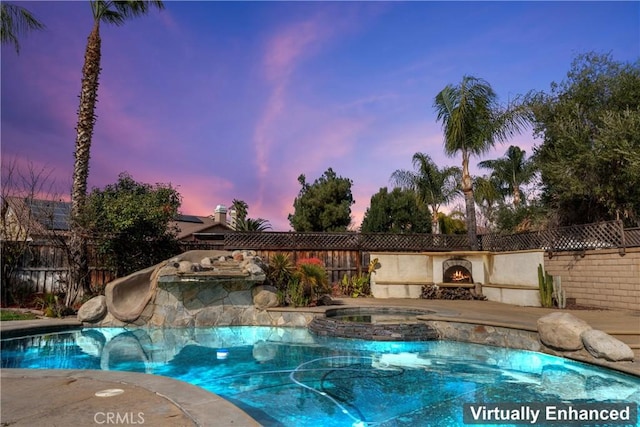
296 295
298 285
52 305
312 261
360 285
279 271
313 279
356 286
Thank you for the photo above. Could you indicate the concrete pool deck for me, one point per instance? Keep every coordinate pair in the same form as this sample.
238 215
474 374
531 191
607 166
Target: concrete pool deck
68 397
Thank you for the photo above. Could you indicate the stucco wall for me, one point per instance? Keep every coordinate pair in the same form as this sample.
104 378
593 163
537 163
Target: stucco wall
400 275
516 268
403 267
600 278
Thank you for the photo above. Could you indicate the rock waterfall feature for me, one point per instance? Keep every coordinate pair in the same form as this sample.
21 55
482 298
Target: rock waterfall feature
196 288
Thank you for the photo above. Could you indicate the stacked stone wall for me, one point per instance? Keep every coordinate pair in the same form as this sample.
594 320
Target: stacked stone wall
599 278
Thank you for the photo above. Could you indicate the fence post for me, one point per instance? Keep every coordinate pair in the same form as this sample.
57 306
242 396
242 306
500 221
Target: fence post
359 256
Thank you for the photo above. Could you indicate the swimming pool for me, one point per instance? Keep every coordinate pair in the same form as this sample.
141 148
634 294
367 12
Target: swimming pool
289 377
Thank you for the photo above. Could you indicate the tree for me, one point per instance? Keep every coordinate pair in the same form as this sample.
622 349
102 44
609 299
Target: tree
487 195
109 12
397 211
131 220
453 223
16 21
590 155
529 217
253 224
432 185
473 122
241 209
511 172
240 221
23 187
324 205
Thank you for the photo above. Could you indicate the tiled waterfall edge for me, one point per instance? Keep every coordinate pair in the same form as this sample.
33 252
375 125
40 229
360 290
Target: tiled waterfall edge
326 326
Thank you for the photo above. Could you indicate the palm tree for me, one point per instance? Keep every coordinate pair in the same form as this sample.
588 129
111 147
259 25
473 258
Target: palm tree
512 171
473 122
239 211
109 12
251 224
15 21
487 194
432 185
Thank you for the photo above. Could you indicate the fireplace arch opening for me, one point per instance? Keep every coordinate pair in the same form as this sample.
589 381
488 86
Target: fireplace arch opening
457 271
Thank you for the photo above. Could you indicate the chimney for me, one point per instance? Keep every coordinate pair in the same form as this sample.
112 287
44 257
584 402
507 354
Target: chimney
220 214
233 218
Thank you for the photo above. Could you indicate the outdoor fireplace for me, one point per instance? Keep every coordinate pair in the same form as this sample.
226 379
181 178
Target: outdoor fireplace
457 271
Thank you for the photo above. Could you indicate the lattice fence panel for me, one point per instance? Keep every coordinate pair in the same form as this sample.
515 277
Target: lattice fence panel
632 237
257 240
327 241
448 242
512 242
412 242
579 237
391 242
583 237
574 238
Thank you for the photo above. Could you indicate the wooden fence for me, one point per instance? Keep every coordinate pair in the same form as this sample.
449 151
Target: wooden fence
45 265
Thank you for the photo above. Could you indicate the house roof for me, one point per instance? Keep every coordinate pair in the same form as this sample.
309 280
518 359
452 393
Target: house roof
53 215
31 218
34 217
189 224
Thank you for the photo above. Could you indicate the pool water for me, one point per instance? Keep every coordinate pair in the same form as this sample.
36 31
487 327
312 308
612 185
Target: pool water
289 377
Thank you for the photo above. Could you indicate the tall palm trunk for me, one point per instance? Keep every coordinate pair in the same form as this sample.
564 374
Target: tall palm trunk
79 266
469 201
435 222
516 196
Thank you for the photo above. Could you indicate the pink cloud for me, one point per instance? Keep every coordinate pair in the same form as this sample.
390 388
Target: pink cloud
283 54
312 137
25 178
284 51
202 193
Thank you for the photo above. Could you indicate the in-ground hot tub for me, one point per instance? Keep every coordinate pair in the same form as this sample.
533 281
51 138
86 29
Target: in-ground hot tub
378 324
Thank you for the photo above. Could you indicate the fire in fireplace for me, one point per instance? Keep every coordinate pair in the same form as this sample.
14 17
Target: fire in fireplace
457 274
457 271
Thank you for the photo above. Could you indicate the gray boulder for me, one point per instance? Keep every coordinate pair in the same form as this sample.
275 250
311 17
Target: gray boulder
264 351
562 331
265 296
602 345
93 310
186 267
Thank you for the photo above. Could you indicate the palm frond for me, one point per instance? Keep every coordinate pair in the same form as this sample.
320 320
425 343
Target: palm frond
118 12
16 21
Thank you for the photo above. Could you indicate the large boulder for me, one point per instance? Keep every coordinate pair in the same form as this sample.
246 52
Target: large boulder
602 345
265 296
93 310
562 331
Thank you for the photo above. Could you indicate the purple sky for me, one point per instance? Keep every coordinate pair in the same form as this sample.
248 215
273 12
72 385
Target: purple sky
232 100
